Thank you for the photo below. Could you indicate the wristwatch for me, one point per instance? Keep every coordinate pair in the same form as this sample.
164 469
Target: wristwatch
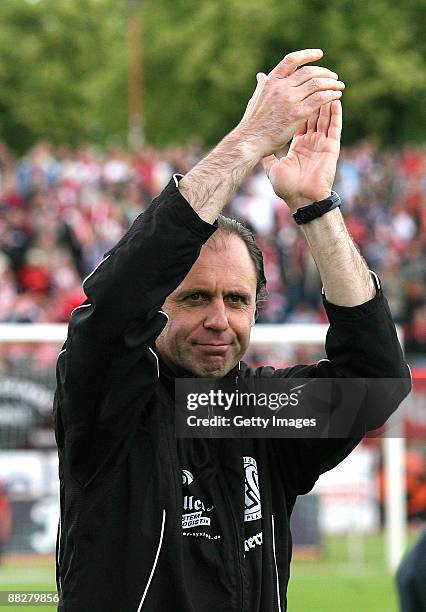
316 209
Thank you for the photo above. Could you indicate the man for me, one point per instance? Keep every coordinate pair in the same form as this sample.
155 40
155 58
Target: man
411 577
154 523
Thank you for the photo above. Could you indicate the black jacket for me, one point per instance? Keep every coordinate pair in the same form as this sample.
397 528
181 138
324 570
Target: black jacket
157 524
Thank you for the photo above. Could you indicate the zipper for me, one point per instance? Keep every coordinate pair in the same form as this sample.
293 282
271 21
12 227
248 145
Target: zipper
235 529
275 562
155 562
240 573
224 488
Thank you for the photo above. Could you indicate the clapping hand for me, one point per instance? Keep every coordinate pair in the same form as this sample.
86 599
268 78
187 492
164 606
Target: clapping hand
307 172
285 99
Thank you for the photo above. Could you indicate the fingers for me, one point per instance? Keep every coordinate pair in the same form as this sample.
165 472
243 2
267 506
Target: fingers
308 72
327 120
318 84
260 78
323 122
281 108
293 60
335 127
312 121
315 101
268 162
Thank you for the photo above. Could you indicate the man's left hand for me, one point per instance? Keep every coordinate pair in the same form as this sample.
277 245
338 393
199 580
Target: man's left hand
306 174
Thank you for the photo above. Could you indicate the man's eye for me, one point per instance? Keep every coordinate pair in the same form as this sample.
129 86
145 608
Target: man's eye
195 297
236 298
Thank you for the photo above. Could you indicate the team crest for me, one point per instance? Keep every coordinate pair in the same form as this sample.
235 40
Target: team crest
253 508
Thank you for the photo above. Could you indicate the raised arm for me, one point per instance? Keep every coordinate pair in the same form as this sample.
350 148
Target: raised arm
306 175
107 369
362 343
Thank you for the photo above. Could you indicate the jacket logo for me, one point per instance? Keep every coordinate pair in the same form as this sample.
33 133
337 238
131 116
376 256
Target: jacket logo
253 507
194 519
255 540
187 477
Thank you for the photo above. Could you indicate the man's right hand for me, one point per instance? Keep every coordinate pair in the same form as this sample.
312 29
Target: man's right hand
285 99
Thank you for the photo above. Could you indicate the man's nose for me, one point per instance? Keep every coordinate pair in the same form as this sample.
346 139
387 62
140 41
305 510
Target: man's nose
216 317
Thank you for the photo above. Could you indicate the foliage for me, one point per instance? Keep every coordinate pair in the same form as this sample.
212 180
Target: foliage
59 74
209 52
63 65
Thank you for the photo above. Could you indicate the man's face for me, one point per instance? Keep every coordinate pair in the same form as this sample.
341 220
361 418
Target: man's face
212 310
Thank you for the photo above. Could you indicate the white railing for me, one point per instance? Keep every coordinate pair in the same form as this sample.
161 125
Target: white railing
393 448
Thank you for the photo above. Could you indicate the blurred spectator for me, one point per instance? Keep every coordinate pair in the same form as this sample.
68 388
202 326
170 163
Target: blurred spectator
61 210
5 520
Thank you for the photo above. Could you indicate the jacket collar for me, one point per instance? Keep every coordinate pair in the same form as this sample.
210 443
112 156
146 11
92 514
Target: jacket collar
168 374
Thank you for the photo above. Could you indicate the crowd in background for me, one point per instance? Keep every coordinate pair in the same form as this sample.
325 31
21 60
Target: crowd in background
62 209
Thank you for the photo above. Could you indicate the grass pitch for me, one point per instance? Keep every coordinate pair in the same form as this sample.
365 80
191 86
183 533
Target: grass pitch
336 584
330 584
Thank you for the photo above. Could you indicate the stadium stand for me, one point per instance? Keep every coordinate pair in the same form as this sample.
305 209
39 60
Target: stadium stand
61 209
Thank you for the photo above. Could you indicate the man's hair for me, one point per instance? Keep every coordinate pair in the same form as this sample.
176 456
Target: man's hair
229 227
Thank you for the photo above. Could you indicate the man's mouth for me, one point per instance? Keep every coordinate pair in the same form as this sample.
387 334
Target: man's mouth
212 348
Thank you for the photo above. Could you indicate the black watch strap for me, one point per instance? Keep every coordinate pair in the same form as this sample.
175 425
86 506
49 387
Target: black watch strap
316 209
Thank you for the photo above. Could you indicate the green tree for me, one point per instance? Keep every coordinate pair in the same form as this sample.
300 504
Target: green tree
204 57
63 65
58 59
